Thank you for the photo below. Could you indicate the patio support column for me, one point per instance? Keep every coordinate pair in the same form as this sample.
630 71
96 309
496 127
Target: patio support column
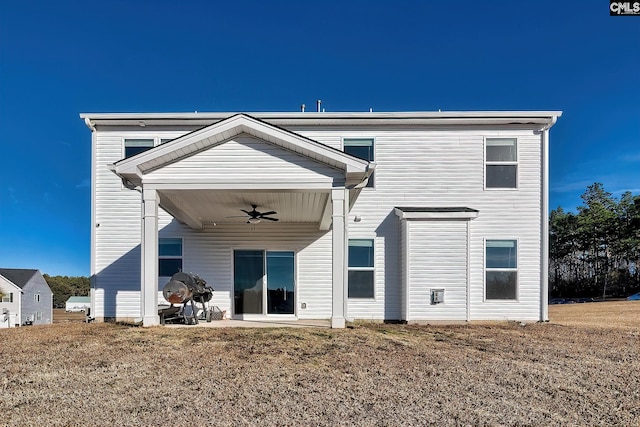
340 202
149 258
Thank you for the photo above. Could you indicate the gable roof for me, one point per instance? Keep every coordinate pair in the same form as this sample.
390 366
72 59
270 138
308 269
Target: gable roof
18 276
133 168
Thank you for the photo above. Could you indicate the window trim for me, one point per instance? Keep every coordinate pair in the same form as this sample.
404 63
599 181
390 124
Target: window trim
181 257
372 268
516 270
375 155
515 163
139 138
36 297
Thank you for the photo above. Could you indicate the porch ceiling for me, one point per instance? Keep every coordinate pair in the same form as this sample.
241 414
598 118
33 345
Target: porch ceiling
199 208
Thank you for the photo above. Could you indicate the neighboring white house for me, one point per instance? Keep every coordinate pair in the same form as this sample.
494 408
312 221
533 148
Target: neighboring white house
9 303
27 298
77 304
420 216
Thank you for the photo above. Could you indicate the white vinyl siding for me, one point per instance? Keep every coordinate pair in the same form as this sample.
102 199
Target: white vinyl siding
247 159
437 260
417 166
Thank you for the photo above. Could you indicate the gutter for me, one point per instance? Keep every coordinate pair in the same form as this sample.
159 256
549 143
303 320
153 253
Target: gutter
87 121
522 118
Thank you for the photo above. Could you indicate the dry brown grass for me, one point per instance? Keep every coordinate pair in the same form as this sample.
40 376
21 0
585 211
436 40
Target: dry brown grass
618 314
61 316
498 374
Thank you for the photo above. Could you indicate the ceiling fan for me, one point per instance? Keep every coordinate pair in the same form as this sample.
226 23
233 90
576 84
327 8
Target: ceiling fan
256 216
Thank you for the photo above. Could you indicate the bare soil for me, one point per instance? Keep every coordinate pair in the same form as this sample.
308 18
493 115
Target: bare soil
565 372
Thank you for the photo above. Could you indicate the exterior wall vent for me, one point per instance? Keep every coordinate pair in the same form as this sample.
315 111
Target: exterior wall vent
437 296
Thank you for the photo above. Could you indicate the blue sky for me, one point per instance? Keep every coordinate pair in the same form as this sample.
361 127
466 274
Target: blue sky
58 59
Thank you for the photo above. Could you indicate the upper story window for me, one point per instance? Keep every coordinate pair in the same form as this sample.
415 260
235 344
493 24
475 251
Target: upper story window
501 270
361 269
169 256
36 297
501 163
361 148
135 146
7 297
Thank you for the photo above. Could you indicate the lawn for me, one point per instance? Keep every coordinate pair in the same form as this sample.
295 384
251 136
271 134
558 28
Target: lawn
571 371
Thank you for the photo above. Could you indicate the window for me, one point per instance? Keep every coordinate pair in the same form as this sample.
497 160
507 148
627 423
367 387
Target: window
501 163
36 297
501 269
38 315
361 276
169 256
361 148
136 146
7 297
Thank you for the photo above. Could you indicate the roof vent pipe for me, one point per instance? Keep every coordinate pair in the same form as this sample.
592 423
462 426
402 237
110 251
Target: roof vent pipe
302 107
318 104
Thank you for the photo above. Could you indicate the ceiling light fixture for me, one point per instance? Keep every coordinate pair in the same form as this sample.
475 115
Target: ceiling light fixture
254 220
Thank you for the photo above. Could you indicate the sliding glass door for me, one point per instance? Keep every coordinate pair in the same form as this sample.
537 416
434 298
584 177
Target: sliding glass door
264 282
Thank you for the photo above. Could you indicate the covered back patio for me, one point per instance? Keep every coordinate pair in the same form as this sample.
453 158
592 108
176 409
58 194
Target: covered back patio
244 172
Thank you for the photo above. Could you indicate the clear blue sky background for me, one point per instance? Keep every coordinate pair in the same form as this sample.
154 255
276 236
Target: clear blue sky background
60 58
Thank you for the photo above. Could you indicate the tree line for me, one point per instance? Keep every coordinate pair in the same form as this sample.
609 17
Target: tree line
64 287
596 251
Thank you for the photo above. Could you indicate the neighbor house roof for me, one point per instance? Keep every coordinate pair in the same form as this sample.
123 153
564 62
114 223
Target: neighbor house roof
18 276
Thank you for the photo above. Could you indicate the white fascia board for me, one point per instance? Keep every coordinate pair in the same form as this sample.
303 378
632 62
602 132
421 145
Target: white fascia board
435 215
337 118
319 116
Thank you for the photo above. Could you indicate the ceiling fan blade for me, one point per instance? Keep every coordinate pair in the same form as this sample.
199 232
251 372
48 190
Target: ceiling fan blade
268 213
270 219
236 216
247 212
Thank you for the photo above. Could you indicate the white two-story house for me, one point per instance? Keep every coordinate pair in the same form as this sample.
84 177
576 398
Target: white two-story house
413 216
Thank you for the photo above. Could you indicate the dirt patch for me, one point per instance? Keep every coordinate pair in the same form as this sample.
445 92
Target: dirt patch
387 375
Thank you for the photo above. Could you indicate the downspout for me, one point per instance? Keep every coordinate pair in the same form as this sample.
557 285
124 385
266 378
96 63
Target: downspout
93 282
544 262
